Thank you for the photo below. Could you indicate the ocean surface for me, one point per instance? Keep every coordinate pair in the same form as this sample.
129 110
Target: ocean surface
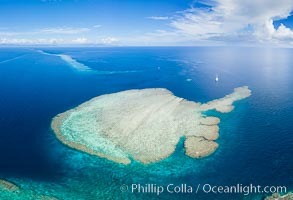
255 143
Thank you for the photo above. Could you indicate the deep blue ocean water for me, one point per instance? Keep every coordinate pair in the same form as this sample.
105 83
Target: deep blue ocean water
256 142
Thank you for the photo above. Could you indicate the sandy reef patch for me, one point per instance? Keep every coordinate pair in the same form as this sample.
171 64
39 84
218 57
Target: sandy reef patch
144 125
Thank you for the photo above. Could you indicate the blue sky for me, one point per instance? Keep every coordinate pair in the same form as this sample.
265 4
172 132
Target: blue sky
151 22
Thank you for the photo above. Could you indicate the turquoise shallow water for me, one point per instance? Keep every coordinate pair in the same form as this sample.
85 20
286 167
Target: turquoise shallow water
255 139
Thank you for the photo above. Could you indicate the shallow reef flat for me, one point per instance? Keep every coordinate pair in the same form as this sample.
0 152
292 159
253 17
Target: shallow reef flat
143 125
80 66
11 191
277 196
68 59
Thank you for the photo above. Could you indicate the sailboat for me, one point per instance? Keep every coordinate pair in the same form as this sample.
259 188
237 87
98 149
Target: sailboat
217 78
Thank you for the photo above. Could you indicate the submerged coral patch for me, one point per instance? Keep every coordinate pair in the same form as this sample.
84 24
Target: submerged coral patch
11 191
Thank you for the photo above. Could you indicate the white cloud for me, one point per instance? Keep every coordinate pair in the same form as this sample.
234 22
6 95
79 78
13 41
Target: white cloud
221 21
283 32
46 36
158 18
59 41
66 30
109 40
246 19
163 38
81 40
15 33
25 41
97 26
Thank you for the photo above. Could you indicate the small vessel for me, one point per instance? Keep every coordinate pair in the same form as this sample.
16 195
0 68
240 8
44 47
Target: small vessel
217 78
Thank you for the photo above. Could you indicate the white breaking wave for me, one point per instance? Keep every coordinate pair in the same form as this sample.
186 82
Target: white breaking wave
11 59
115 72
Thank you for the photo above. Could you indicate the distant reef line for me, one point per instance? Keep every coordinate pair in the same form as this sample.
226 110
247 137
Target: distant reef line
82 67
